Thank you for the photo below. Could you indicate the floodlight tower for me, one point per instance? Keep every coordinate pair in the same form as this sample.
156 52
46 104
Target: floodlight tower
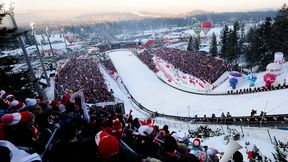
39 54
62 31
48 35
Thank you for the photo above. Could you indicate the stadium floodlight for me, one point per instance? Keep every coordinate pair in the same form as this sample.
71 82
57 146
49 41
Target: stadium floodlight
39 54
62 29
9 7
48 37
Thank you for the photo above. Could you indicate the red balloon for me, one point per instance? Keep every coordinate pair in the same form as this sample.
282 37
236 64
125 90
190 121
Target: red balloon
269 78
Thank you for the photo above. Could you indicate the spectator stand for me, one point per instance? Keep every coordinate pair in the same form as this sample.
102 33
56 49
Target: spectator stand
179 80
206 68
84 74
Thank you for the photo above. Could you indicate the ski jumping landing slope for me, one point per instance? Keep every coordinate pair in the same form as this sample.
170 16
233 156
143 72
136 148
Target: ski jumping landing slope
153 94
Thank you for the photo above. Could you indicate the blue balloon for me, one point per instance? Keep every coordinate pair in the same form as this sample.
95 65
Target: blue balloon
252 79
233 82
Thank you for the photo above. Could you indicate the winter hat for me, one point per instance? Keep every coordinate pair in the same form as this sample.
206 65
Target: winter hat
54 103
162 133
30 102
196 142
149 121
145 130
108 145
16 105
15 118
117 128
2 92
128 125
61 107
10 97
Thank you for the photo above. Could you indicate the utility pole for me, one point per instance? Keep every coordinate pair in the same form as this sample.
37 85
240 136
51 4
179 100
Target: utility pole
20 39
39 55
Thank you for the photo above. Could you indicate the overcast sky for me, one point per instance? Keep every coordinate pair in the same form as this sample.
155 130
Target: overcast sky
164 6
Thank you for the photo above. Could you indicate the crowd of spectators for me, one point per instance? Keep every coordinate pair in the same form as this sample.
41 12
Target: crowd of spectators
83 74
147 58
109 66
56 131
204 67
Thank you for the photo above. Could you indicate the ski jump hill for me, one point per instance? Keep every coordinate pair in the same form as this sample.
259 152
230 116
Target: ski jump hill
155 96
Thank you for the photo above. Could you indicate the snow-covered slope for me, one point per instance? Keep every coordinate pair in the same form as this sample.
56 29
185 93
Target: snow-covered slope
148 90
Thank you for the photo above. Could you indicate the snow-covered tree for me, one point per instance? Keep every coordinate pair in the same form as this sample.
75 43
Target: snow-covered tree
191 45
7 35
17 82
279 36
213 47
224 41
281 149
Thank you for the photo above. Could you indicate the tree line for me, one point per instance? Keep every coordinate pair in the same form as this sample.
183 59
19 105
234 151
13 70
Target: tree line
258 45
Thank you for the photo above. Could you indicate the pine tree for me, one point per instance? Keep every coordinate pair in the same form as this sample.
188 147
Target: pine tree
213 47
242 41
233 49
281 151
279 36
242 35
267 54
14 81
197 43
191 45
224 40
252 42
259 51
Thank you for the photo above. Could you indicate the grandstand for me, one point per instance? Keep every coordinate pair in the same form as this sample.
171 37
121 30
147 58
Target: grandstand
84 74
204 67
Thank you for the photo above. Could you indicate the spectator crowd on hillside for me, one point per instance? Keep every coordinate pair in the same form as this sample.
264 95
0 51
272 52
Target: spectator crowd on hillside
56 131
147 58
83 74
204 67
109 65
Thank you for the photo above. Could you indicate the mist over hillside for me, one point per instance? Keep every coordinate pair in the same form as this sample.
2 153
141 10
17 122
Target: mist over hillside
49 17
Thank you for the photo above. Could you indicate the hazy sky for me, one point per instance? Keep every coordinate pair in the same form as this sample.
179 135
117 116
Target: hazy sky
171 6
